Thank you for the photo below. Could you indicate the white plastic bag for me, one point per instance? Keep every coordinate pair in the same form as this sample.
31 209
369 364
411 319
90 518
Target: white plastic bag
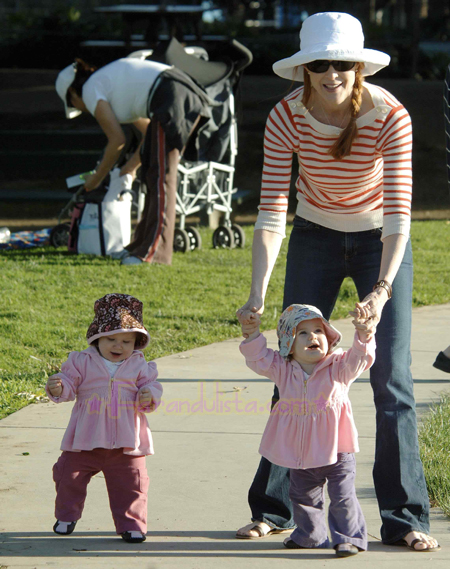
104 228
119 186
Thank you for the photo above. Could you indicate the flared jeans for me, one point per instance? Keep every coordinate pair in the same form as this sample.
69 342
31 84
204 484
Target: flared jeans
318 261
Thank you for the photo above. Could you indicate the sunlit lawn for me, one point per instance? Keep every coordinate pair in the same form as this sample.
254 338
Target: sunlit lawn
48 297
434 438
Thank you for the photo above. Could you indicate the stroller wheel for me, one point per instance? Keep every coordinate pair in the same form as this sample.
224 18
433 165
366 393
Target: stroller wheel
195 237
59 235
223 238
181 241
239 236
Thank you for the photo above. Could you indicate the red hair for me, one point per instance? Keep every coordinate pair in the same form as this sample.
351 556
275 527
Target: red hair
343 145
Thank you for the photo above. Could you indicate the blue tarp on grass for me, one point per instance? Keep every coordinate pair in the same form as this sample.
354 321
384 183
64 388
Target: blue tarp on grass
27 240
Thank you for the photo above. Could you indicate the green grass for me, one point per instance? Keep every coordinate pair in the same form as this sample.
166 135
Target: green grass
48 297
434 438
431 252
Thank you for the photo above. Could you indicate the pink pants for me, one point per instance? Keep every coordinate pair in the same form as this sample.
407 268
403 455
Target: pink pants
126 480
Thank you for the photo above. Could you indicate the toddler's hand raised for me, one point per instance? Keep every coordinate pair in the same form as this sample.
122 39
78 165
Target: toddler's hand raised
54 385
250 323
146 399
366 328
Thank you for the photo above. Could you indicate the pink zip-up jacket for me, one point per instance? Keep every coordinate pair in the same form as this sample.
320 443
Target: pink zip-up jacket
313 420
107 413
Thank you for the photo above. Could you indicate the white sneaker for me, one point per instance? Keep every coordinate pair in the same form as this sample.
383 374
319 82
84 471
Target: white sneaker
131 261
120 254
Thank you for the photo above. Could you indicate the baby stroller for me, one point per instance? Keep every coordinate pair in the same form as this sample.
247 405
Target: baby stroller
207 184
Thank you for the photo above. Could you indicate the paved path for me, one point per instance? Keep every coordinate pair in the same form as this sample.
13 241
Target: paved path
200 474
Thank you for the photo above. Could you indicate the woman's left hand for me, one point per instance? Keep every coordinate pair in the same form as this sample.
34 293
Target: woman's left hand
133 163
366 329
126 169
370 309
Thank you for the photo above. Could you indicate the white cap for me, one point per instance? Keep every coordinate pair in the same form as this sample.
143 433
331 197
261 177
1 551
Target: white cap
63 82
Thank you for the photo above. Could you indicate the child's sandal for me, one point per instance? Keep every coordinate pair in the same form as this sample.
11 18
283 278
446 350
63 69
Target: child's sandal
64 528
290 544
133 536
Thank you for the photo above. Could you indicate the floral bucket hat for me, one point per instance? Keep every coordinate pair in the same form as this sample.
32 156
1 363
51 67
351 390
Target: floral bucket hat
116 313
291 318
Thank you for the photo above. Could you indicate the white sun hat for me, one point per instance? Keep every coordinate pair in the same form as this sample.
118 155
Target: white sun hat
333 36
63 82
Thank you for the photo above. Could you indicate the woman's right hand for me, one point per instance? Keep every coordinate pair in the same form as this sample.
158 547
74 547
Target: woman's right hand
265 249
254 305
91 183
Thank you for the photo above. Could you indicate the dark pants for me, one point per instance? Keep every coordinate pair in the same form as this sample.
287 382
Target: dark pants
126 480
318 261
345 518
153 238
177 108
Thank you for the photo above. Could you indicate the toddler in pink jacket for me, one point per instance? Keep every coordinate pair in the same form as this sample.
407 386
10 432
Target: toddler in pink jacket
108 432
311 429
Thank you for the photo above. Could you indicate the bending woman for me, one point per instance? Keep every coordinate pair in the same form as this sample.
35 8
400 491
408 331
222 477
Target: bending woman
135 91
353 144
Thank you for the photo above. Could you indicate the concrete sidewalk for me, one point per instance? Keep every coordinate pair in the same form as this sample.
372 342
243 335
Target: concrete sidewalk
206 438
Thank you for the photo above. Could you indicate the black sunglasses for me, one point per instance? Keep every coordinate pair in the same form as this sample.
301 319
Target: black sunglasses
322 65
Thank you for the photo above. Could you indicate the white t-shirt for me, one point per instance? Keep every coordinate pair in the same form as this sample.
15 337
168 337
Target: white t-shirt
111 366
125 85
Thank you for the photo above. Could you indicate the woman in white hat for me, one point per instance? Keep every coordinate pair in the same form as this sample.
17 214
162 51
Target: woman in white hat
353 144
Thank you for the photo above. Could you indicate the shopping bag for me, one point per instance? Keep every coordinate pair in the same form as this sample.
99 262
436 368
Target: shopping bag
104 228
118 186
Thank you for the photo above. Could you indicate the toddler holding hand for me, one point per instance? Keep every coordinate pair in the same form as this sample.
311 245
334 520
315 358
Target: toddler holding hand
311 429
108 432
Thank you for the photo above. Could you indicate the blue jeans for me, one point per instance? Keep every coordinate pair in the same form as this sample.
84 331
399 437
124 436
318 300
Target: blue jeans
318 261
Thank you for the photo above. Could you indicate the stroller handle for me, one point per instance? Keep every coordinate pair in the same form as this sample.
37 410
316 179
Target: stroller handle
246 56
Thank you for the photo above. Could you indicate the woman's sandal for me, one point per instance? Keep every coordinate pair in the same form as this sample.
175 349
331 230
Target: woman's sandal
346 550
412 545
261 530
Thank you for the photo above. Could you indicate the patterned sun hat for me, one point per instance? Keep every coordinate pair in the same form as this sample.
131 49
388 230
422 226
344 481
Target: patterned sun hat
116 313
291 318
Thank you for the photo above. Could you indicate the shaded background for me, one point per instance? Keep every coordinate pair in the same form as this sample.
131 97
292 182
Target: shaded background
39 148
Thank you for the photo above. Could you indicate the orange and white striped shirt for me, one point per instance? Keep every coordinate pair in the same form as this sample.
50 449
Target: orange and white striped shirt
370 188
